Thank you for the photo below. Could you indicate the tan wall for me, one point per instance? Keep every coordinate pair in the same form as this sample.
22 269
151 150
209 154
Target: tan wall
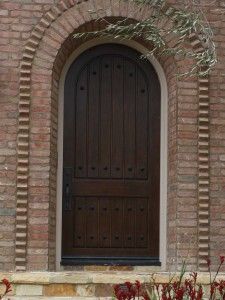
36 119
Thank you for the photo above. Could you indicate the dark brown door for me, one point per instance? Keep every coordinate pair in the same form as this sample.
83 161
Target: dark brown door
111 159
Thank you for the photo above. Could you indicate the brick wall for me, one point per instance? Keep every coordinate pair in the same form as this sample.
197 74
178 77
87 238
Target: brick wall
217 133
17 19
46 53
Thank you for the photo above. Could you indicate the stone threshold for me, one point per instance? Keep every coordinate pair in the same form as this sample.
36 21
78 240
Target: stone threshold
57 298
79 284
107 277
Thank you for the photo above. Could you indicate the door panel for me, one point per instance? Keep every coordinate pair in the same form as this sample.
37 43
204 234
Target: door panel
110 222
111 159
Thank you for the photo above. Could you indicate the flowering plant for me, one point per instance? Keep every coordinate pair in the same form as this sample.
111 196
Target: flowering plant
130 290
176 289
8 288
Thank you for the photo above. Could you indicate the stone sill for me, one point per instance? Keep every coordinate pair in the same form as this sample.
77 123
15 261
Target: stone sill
93 277
57 298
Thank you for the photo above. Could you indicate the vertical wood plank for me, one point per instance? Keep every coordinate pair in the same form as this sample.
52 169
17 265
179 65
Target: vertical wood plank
92 224
129 119
93 118
117 223
129 223
79 232
105 116
142 226
68 228
69 122
104 222
81 125
117 119
142 127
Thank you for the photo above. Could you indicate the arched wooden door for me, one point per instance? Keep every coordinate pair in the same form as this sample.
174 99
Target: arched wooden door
111 159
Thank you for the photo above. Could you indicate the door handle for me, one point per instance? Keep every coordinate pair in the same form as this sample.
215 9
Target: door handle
67 188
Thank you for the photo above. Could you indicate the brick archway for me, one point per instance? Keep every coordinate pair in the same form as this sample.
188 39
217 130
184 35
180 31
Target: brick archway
44 56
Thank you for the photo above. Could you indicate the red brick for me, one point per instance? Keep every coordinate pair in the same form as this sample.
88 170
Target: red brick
21 27
25 14
4 12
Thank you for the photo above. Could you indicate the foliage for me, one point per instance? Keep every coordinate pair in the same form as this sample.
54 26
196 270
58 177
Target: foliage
130 291
182 23
8 289
176 289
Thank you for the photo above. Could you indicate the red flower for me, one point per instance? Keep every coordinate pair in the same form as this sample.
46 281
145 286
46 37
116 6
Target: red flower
222 259
221 287
119 293
128 285
179 294
138 284
192 294
145 296
208 261
157 287
199 293
194 276
7 286
212 290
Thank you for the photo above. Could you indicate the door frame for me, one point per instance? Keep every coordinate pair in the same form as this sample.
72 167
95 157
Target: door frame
163 144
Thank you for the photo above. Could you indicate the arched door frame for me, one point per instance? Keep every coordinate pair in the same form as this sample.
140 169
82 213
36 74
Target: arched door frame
163 142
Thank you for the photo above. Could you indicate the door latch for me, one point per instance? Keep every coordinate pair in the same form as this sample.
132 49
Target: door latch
67 188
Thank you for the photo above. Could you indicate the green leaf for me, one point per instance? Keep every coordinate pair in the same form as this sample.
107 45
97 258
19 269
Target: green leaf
183 22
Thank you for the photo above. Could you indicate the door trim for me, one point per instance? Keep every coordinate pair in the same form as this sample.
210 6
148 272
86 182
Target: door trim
163 142
111 261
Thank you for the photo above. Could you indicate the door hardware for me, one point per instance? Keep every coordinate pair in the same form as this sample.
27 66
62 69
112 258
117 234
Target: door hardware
67 188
